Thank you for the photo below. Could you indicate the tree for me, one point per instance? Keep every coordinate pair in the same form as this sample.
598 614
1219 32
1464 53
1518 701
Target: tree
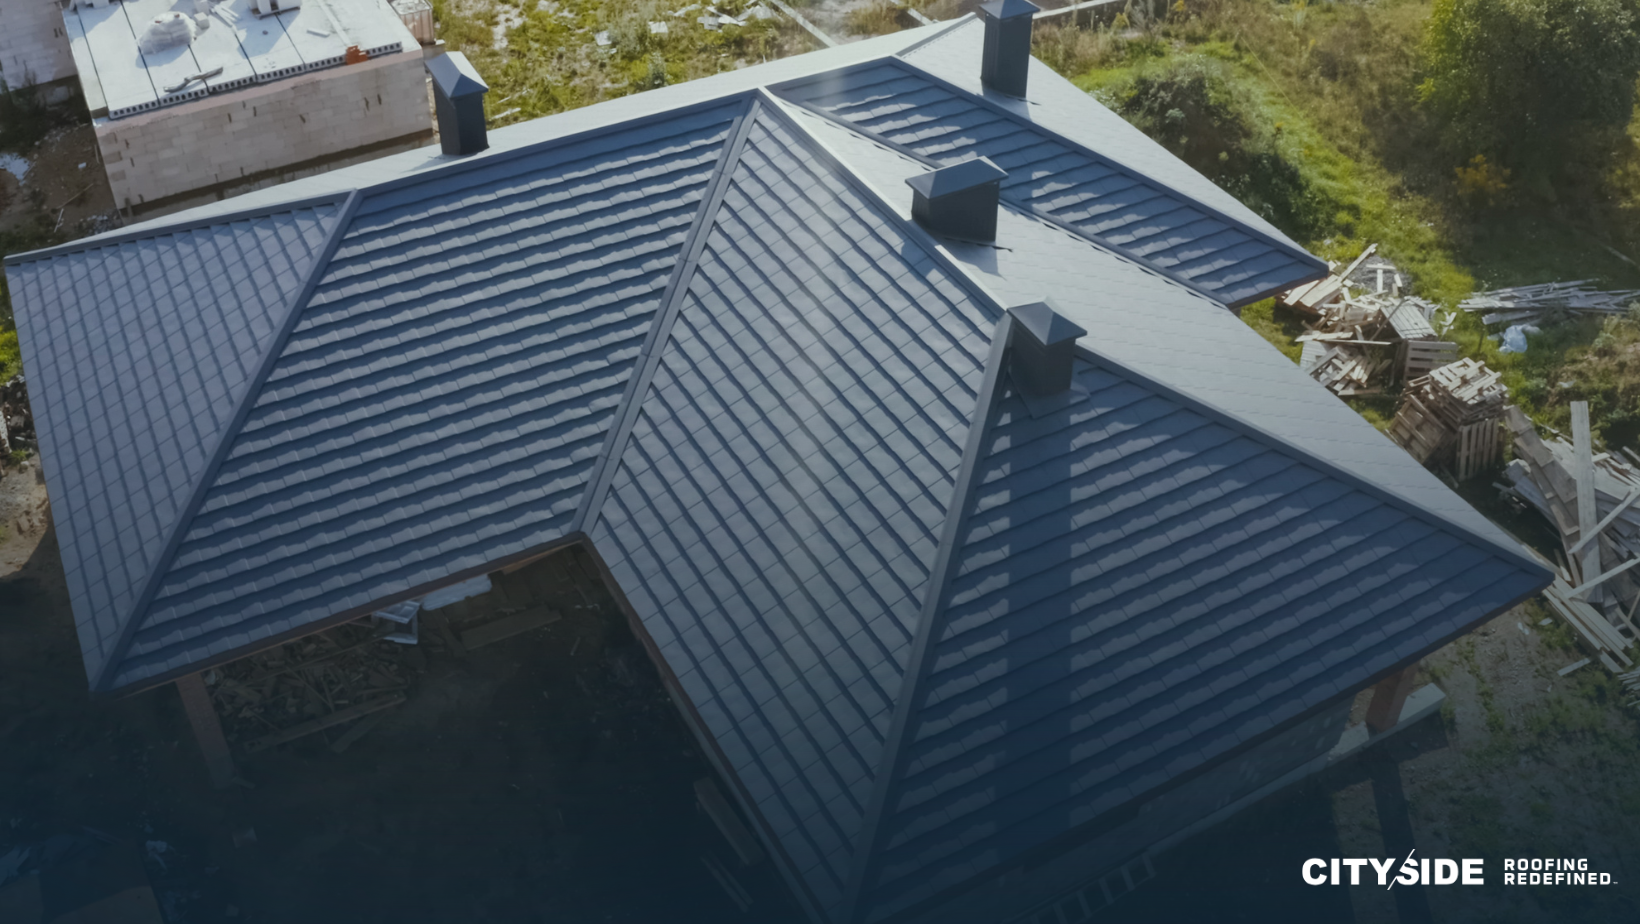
1520 80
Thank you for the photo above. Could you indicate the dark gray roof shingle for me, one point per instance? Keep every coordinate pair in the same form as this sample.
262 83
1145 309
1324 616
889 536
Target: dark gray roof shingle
1107 201
775 514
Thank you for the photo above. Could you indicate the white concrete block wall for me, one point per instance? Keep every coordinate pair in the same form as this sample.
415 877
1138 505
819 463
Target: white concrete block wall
33 43
222 139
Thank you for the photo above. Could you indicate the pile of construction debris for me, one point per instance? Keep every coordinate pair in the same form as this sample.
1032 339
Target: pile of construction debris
1590 499
1449 418
16 421
1522 310
1368 332
313 684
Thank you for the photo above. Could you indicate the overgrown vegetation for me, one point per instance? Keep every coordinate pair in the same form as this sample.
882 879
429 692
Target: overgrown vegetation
543 57
1333 121
1525 82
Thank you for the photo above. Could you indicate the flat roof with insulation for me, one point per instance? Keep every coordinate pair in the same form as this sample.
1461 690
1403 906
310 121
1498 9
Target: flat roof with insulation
120 79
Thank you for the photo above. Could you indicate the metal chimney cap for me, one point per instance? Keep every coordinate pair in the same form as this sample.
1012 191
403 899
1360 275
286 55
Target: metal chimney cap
956 178
1009 9
455 75
1045 323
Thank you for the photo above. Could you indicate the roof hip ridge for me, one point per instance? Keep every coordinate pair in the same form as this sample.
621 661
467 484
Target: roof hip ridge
207 477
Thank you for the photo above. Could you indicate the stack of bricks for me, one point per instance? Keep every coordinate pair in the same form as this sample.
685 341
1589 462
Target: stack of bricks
226 144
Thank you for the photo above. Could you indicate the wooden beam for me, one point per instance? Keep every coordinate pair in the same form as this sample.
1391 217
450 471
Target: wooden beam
322 723
1594 582
1587 512
1388 697
507 627
1610 518
196 702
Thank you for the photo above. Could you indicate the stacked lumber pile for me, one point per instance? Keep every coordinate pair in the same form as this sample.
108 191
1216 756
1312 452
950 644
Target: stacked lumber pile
1590 499
310 685
1367 332
1547 303
1449 418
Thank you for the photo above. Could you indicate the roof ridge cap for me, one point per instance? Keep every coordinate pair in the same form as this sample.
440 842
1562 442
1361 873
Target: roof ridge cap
207 477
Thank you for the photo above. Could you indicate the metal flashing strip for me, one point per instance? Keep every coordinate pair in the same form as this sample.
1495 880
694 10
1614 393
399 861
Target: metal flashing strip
922 647
253 390
660 330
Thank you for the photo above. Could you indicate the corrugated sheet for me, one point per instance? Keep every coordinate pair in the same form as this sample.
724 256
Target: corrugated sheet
1101 198
138 355
446 392
1140 587
777 509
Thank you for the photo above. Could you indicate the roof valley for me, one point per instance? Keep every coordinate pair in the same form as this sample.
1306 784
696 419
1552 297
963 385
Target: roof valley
661 330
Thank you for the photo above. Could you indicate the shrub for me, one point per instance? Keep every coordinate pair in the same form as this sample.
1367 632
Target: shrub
1521 81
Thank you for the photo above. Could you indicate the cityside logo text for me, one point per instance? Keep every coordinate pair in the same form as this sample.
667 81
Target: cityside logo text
1341 871
1412 871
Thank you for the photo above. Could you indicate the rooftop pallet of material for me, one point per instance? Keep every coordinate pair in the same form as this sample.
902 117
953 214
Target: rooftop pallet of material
223 46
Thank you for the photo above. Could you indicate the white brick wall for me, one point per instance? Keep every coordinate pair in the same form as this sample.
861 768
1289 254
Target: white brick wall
220 139
33 43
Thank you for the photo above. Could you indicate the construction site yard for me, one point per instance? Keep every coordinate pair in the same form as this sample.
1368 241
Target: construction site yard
545 777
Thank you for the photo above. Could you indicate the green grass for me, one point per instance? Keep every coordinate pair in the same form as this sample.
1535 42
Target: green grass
1307 113
551 62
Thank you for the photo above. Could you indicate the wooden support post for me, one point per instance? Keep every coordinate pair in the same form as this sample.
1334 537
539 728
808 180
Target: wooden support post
196 701
1388 697
1587 512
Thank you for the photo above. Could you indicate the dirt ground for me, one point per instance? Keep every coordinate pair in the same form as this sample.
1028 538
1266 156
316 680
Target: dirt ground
64 186
543 778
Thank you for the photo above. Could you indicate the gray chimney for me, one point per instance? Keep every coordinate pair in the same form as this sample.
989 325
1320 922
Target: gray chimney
1007 45
458 95
1041 350
958 201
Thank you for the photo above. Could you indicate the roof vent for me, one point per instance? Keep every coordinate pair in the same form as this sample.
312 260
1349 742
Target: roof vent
959 201
1007 45
1040 356
458 94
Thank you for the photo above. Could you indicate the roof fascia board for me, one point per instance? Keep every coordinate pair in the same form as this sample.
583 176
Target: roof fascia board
253 390
457 166
1515 555
1019 204
1112 817
660 331
348 615
152 231
708 742
1018 119
928 623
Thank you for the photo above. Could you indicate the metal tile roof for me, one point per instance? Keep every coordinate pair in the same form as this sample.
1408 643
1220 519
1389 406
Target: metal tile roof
1100 198
775 514
699 328
138 353
443 398
1141 586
